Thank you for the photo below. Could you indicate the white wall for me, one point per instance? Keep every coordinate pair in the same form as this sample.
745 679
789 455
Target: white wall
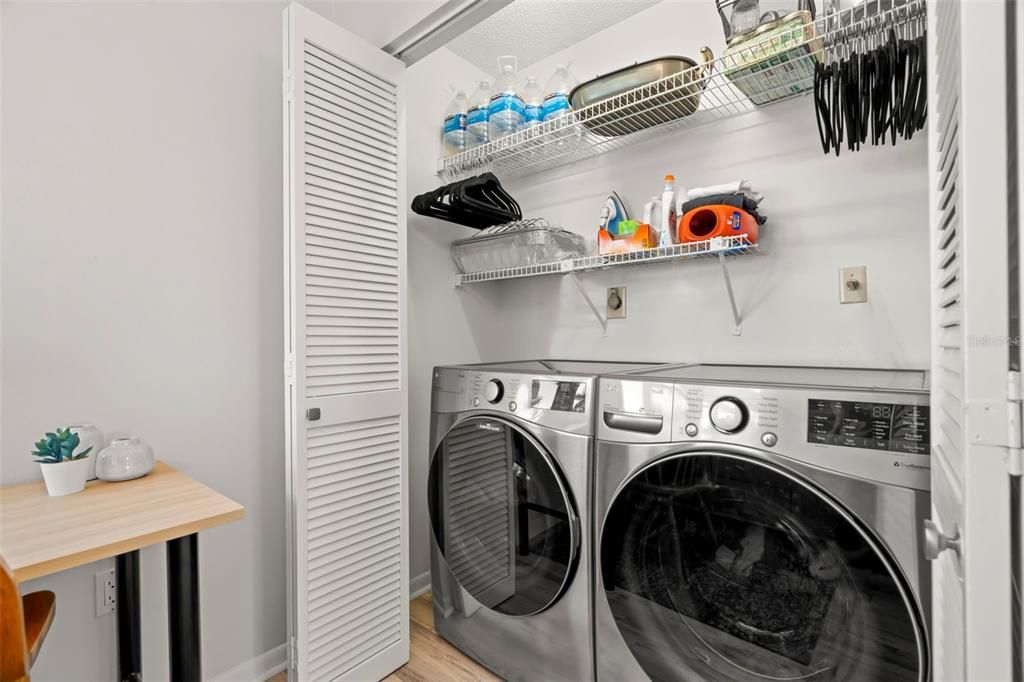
141 281
440 320
864 208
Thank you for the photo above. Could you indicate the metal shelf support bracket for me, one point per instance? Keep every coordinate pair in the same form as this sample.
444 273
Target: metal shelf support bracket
590 302
737 319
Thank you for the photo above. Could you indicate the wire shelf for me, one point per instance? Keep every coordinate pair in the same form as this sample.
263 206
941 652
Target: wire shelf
718 246
752 74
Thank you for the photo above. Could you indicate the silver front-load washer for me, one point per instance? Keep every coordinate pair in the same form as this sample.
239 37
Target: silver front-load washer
762 523
509 496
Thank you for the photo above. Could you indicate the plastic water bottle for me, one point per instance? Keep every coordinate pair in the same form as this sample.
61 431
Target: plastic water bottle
561 83
453 130
533 97
476 116
506 111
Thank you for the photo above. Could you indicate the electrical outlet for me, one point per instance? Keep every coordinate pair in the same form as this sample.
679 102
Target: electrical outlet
853 284
616 303
106 592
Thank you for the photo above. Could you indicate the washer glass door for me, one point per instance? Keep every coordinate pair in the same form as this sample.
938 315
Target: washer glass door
726 567
502 516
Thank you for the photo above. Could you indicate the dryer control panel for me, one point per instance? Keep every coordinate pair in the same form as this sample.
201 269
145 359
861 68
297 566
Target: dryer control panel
562 402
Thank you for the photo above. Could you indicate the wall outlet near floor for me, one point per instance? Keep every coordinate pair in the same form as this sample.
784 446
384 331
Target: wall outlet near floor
853 284
106 592
616 303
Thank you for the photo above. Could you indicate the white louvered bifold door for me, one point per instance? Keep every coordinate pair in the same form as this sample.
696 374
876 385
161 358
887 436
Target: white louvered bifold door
971 604
345 346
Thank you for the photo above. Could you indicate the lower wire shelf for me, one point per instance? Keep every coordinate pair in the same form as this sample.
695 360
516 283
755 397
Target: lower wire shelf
716 247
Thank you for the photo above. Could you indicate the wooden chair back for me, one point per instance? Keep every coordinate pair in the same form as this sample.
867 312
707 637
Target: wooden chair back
14 652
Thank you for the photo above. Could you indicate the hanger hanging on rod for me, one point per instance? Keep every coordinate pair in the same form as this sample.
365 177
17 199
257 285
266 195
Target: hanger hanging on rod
872 79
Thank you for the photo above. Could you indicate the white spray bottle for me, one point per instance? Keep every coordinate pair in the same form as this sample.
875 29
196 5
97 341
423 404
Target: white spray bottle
668 212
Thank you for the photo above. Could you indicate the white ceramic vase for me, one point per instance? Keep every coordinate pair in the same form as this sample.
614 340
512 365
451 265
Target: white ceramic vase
65 478
125 459
89 437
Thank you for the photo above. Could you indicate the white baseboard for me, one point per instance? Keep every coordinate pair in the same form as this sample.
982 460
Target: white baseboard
420 584
270 663
258 669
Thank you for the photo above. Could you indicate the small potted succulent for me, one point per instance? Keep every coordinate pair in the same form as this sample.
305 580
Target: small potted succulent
64 470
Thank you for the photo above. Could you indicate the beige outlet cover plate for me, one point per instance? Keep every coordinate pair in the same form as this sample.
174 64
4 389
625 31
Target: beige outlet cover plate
616 303
853 284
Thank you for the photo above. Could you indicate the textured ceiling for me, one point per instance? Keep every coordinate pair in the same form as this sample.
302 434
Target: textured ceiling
535 29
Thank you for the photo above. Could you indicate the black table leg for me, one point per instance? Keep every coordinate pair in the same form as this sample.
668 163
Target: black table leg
183 609
129 618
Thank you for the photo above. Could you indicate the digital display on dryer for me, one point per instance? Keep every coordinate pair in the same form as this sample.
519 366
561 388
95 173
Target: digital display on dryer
875 426
564 396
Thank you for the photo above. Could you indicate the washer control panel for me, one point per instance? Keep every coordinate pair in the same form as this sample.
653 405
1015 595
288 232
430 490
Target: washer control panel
790 421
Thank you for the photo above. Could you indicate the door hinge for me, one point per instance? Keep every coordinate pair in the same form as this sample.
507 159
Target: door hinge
292 655
286 86
1013 419
289 368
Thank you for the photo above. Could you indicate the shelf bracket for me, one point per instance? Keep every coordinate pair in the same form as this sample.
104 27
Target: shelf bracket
737 319
593 308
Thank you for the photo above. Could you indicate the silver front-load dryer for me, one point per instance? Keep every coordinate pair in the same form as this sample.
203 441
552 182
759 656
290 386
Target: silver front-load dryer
509 496
762 523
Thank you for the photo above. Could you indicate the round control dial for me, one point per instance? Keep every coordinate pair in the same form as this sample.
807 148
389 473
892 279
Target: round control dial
493 390
728 415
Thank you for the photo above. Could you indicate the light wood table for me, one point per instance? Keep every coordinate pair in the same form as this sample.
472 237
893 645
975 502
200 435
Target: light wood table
40 535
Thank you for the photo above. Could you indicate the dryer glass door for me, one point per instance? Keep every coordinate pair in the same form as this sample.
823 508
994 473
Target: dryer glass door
725 567
502 516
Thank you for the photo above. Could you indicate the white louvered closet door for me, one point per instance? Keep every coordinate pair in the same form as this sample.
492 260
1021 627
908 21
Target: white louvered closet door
972 596
345 346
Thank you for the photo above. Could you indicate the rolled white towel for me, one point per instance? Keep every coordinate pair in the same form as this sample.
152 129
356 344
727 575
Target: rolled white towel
734 187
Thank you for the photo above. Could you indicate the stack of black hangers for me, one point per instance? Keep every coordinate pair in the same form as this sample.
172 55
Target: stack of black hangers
873 93
476 202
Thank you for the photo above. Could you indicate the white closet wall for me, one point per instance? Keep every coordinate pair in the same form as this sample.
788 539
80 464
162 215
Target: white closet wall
440 319
863 208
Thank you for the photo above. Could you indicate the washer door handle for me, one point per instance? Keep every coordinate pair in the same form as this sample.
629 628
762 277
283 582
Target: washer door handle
936 542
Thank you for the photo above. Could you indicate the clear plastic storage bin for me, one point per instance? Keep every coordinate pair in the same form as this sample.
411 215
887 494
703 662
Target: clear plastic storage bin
516 245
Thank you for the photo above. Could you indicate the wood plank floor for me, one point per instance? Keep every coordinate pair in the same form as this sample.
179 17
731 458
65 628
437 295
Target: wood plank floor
432 659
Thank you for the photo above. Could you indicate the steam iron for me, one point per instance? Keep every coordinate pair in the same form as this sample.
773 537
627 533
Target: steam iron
612 214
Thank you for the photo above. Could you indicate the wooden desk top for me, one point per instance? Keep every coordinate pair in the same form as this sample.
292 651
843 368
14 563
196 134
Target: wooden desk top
40 534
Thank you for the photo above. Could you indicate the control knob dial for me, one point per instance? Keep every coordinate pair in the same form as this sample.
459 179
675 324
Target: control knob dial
728 415
493 390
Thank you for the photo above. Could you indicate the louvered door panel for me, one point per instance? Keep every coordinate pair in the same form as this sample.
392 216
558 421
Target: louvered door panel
970 301
353 591
948 361
351 149
348 568
479 516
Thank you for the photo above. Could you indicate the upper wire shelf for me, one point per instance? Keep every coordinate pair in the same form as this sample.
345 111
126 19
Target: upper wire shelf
748 76
717 246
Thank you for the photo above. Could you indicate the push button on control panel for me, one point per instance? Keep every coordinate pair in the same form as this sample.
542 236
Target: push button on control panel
691 429
769 439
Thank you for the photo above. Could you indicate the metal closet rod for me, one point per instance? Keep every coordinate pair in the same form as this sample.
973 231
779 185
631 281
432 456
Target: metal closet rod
440 27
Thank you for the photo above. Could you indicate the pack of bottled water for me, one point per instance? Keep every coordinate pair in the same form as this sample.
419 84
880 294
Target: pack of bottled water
509 106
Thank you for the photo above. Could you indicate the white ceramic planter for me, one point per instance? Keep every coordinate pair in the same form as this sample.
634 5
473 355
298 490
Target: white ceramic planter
125 459
65 478
89 437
